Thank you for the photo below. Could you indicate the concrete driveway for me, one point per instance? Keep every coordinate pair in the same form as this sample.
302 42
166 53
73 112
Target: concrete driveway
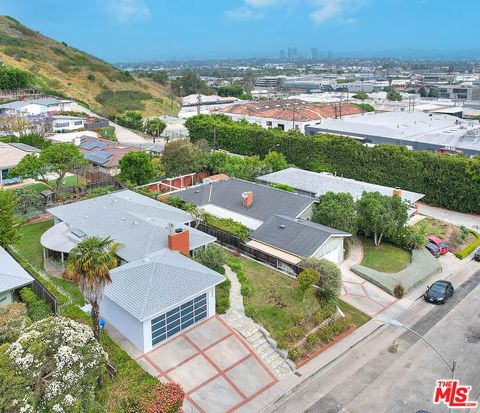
218 371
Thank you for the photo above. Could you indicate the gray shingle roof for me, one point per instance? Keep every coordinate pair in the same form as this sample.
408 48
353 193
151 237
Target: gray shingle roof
12 275
295 236
21 103
320 183
266 201
147 287
138 222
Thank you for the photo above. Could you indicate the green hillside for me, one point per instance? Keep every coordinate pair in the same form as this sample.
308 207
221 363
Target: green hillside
59 69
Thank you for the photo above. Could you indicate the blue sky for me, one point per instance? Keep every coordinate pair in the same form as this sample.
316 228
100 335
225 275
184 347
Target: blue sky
135 30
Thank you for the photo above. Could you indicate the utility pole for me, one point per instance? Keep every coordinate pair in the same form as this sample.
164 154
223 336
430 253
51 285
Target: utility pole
199 101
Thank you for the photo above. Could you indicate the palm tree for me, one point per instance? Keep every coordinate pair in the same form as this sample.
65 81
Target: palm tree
89 263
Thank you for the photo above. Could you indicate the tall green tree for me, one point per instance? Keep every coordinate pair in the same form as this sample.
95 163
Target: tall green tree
59 159
231 90
381 216
189 83
182 157
306 279
154 127
336 210
330 281
9 233
276 160
89 263
136 168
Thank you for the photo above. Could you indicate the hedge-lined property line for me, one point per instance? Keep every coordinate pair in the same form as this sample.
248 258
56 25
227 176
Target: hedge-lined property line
391 165
470 247
422 267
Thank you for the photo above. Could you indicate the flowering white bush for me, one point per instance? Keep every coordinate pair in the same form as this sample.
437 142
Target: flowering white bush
52 367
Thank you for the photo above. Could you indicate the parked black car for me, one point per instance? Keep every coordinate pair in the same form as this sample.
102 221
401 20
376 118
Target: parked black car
477 255
439 292
434 250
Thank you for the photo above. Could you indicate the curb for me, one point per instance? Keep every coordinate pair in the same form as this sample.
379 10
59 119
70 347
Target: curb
270 406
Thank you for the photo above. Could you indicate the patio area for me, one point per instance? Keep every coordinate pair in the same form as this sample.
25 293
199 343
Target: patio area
218 371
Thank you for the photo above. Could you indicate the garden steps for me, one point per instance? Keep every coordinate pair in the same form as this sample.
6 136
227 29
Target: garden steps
258 338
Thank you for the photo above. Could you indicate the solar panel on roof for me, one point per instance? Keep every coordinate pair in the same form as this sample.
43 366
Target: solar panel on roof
98 157
79 233
93 144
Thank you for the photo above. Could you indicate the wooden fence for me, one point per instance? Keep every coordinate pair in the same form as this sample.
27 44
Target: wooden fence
235 243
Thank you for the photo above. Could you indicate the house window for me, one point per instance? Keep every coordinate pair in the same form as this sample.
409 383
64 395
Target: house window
281 126
269 123
62 125
78 122
178 319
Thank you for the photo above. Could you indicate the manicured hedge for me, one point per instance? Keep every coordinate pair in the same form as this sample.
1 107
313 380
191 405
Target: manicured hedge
227 225
448 181
36 307
470 247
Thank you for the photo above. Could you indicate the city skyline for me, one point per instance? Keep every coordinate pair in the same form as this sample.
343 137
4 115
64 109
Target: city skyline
160 30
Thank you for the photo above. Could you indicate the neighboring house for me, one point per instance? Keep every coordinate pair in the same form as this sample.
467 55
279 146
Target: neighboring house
288 114
10 155
414 130
157 290
67 123
71 137
34 106
267 212
12 277
104 153
315 184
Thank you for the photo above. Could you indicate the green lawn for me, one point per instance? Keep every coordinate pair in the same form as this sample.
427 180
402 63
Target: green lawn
433 226
277 304
384 258
68 182
30 248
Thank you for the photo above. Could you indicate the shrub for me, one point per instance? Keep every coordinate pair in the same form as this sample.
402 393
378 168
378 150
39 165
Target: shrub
250 311
212 256
285 187
13 319
469 248
222 296
38 309
330 282
398 290
295 354
164 398
227 225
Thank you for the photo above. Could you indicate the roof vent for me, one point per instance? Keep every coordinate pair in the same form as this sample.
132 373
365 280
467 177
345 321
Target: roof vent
282 226
197 191
178 230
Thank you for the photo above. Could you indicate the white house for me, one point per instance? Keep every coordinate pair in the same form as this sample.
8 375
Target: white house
67 123
34 106
12 277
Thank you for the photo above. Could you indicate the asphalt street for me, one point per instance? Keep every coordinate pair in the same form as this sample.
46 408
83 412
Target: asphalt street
373 379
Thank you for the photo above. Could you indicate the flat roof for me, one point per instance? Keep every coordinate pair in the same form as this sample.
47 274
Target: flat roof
428 128
320 183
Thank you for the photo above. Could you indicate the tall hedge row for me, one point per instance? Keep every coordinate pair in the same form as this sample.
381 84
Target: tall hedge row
449 181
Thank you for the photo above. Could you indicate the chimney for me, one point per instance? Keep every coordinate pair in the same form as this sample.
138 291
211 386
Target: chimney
179 240
397 192
247 199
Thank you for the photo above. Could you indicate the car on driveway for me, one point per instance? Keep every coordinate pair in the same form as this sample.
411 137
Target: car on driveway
434 250
439 243
439 292
477 255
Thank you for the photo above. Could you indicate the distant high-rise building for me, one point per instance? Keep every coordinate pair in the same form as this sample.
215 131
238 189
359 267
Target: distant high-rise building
329 54
292 53
314 53
282 54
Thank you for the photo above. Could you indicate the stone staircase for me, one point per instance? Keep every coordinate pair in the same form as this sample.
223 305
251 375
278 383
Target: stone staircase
258 338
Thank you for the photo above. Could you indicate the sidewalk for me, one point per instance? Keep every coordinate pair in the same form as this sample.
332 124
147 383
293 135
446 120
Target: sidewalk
359 292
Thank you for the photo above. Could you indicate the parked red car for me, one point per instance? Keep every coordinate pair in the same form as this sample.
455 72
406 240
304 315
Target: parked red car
439 243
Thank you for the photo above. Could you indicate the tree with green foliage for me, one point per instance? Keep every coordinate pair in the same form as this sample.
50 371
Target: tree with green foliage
330 280
381 216
9 233
136 168
366 107
306 279
361 95
12 78
423 92
28 202
336 210
154 127
212 256
248 168
283 187
130 119
433 92
190 83
13 320
276 160
392 94
159 167
182 157
89 264
59 159
53 366
159 76
231 91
